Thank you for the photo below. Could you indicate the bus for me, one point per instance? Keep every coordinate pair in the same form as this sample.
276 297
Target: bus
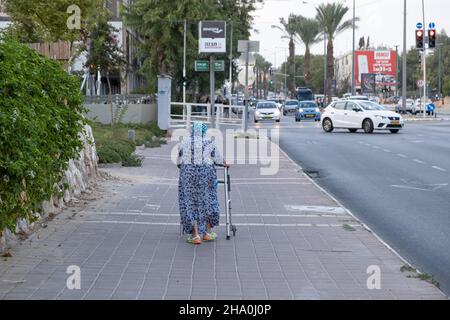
304 94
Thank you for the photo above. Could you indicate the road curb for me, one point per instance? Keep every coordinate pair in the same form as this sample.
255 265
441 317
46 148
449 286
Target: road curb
366 227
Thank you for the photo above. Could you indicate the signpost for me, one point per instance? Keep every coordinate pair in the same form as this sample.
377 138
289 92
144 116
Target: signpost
246 47
203 66
212 39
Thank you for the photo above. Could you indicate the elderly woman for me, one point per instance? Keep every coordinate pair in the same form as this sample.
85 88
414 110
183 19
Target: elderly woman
199 207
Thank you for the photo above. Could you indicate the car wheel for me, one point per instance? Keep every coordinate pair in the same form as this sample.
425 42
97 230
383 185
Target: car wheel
327 125
256 121
297 120
368 126
394 131
278 120
353 130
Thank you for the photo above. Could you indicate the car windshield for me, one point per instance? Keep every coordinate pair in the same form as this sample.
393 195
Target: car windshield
266 106
371 106
307 105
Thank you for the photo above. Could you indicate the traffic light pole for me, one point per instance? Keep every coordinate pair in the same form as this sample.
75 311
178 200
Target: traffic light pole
424 59
184 70
404 69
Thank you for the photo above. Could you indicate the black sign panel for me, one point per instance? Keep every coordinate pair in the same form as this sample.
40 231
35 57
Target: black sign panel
368 83
213 30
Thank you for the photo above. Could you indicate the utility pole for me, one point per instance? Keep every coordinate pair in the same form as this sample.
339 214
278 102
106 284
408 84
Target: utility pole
245 112
404 69
184 66
425 87
212 75
396 70
353 51
440 71
325 71
231 62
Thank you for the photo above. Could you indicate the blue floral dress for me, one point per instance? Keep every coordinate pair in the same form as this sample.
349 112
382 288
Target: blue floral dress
197 184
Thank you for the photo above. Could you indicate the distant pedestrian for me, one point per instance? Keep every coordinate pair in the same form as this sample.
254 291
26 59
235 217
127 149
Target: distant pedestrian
199 206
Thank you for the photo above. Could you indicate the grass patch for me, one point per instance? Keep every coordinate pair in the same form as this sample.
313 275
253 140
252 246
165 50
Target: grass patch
348 227
114 145
420 276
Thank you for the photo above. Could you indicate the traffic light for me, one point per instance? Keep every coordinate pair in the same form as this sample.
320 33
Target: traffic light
419 39
184 82
432 38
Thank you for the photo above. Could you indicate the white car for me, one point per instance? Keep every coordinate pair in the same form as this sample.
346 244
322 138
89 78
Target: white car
360 114
409 106
417 107
267 111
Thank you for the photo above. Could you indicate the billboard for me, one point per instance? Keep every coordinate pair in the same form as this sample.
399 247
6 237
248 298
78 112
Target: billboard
383 63
368 83
212 37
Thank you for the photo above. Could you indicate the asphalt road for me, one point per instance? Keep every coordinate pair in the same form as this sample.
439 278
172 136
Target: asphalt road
396 184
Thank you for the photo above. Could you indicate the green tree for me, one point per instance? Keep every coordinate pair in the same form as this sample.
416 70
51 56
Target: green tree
46 20
331 17
362 43
289 29
103 52
160 23
308 30
262 67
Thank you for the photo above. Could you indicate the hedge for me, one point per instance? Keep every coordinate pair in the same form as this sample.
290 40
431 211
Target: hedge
40 123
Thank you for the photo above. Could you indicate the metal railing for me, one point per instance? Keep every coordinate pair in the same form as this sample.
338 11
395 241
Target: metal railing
183 114
120 99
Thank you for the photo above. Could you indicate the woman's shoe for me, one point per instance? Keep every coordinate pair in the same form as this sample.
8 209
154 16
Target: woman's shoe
211 236
194 240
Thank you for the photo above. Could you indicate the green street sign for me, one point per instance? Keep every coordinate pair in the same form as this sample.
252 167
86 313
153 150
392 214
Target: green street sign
203 66
219 66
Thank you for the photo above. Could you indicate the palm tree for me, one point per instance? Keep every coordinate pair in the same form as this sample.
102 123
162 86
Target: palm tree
331 18
309 31
289 29
262 71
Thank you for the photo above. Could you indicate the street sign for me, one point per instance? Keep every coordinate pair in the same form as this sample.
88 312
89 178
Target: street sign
203 66
420 83
251 59
432 25
248 46
251 76
212 37
219 66
419 25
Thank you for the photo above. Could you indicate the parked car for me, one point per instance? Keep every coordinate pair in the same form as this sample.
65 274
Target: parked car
409 106
359 98
360 114
417 108
290 107
267 111
308 110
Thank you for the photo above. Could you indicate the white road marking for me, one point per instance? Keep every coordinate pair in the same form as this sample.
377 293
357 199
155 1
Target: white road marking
236 224
419 161
376 147
143 214
401 155
387 150
322 209
425 187
439 168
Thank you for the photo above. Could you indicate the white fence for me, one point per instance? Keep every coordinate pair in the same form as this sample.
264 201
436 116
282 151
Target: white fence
182 115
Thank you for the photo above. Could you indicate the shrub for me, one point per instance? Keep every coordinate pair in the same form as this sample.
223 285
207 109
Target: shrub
108 155
40 123
132 161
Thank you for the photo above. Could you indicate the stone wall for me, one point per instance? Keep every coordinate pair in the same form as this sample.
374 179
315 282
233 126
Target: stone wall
81 175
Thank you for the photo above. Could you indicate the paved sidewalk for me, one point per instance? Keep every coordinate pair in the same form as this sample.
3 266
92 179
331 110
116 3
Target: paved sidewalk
291 244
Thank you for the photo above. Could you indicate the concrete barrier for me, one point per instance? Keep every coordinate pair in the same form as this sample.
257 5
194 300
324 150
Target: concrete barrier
133 113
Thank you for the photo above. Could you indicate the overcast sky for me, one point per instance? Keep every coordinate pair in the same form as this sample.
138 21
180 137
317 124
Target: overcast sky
382 20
